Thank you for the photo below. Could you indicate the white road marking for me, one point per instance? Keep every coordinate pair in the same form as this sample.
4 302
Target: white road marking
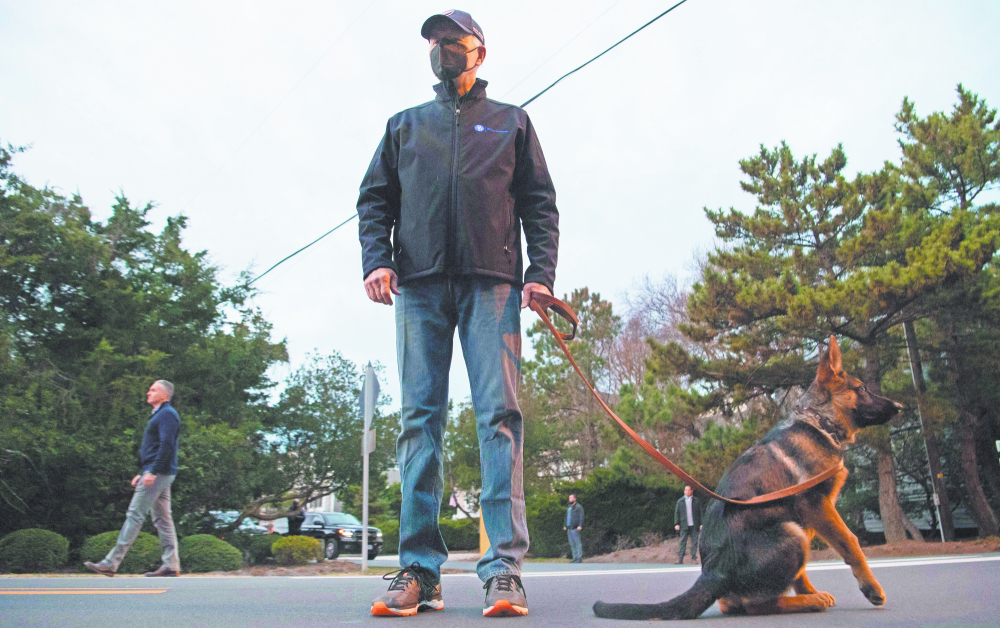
817 566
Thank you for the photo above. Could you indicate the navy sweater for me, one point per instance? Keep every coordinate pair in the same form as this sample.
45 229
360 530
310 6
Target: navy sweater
158 454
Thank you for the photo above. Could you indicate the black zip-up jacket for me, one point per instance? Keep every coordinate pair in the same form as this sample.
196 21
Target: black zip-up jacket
449 187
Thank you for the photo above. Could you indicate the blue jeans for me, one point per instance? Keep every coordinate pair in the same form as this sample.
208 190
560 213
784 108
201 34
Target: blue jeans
486 312
575 545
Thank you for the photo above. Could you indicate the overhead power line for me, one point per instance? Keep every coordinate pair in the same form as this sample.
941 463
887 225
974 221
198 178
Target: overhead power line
528 102
542 64
285 259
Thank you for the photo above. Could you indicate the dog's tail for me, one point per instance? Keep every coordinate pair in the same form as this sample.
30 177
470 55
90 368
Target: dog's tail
687 605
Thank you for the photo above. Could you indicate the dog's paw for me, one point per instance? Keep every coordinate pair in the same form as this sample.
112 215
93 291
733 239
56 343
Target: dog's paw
828 599
873 591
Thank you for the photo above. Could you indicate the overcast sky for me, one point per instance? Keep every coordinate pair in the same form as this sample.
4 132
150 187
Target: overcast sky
257 120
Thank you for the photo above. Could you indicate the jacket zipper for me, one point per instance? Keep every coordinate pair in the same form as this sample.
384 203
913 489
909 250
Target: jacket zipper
453 218
509 234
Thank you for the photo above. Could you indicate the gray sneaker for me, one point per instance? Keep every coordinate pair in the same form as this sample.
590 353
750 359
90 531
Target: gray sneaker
411 591
505 597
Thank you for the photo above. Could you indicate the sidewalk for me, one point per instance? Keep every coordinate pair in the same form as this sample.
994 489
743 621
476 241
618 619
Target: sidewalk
466 561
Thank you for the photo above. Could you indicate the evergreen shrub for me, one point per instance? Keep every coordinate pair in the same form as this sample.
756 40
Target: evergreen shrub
258 549
615 504
143 556
204 552
33 550
459 534
296 550
390 535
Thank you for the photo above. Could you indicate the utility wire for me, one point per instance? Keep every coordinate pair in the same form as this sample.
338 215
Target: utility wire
602 54
251 282
529 101
560 49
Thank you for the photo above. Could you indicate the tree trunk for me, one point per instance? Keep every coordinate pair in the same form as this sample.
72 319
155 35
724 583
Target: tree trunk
967 420
888 504
888 500
930 436
978 505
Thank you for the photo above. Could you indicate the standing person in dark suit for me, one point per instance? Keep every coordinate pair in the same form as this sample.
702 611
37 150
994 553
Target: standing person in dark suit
574 524
687 520
158 460
295 520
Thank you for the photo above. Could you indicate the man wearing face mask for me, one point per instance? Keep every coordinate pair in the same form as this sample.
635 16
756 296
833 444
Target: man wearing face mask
442 206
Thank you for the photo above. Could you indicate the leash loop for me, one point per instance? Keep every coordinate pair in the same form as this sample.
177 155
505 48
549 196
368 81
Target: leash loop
540 303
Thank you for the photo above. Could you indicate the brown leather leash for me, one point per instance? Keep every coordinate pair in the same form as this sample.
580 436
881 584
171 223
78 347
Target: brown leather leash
540 303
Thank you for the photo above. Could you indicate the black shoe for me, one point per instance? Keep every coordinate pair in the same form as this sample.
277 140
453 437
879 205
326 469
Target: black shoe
102 568
163 572
680 561
505 597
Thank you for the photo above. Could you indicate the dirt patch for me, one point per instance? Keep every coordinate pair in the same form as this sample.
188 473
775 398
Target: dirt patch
666 552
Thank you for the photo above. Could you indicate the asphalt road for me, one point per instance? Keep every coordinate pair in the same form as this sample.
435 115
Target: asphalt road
947 591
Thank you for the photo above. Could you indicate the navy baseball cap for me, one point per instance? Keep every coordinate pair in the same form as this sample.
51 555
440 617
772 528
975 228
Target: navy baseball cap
460 19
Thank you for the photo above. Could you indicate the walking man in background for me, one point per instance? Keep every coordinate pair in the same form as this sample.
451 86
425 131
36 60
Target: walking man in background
158 460
441 209
687 520
574 524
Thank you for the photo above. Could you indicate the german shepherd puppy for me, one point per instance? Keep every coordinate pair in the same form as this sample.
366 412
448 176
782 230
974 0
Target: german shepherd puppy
752 555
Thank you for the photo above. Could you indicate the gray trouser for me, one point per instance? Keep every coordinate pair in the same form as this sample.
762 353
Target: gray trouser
575 546
155 498
686 531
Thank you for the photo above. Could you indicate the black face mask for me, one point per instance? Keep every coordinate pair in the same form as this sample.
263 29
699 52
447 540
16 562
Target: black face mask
448 64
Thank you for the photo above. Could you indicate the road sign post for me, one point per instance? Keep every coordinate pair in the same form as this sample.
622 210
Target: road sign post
369 395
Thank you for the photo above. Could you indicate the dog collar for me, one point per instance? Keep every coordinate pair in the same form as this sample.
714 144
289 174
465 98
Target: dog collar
828 427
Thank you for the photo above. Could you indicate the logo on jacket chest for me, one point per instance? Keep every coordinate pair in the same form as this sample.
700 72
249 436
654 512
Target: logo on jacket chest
480 128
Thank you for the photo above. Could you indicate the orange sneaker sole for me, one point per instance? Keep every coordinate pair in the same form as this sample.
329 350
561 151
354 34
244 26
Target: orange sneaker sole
503 608
379 608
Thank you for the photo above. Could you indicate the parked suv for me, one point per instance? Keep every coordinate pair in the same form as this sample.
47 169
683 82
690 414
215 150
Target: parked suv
340 533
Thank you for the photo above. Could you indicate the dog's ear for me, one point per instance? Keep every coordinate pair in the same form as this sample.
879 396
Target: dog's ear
830 363
835 362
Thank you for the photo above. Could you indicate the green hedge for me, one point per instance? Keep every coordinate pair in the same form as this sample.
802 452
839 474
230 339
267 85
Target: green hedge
296 550
390 535
143 556
258 550
459 534
204 552
615 505
255 548
546 518
33 550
